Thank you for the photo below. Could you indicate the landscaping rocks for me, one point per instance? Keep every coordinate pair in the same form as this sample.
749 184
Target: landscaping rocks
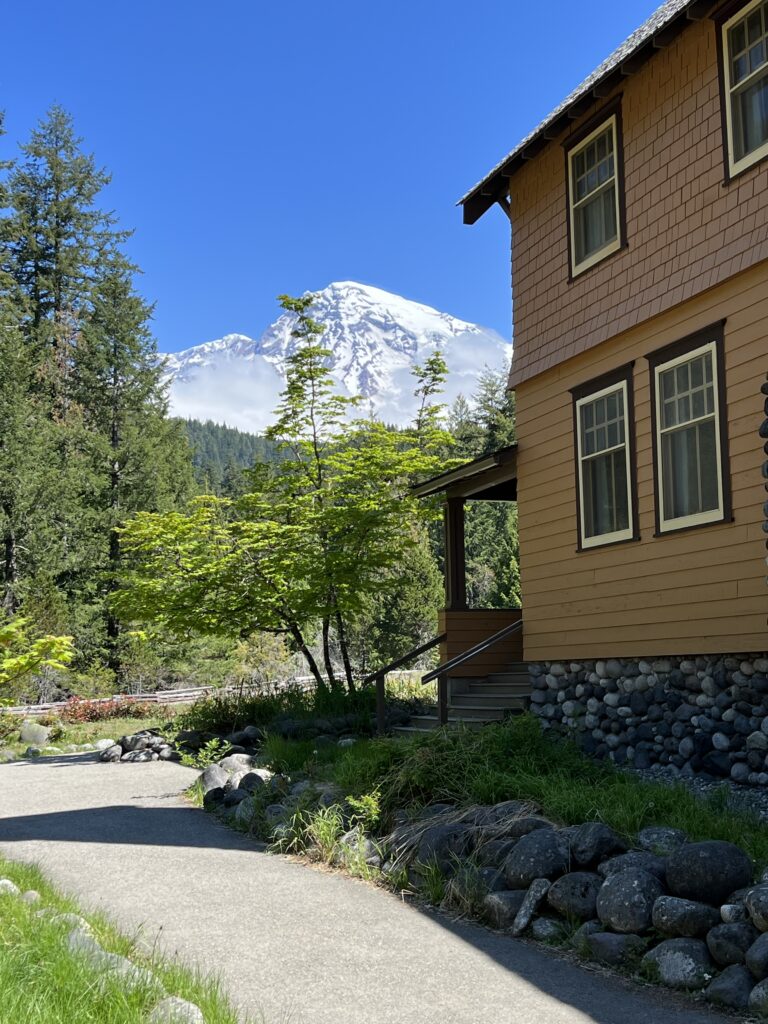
757 957
34 733
731 989
540 854
545 929
537 890
757 907
708 872
626 898
593 842
176 1011
112 753
660 839
728 943
575 895
635 859
8 888
442 844
213 777
681 963
683 918
612 949
501 908
147 745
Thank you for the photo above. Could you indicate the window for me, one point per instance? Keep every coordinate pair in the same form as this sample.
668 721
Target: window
745 67
690 439
593 196
603 455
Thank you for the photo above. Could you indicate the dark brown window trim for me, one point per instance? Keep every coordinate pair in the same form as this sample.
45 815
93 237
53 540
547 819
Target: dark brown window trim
719 19
714 332
622 374
610 109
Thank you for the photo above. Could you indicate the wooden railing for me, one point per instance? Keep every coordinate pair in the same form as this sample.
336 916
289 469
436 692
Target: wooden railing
442 671
380 678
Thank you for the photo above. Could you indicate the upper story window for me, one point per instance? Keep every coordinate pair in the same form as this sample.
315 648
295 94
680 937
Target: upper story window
604 462
745 65
594 196
690 441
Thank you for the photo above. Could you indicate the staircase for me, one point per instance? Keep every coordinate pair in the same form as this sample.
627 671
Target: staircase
475 702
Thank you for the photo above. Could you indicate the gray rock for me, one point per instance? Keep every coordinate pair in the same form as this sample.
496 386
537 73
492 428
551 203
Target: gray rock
660 840
214 777
708 872
519 827
582 933
245 813
537 890
176 1011
494 852
758 999
67 920
730 913
34 733
31 896
236 762
616 950
275 813
756 957
103 744
441 844
728 943
501 908
636 859
130 977
540 854
33 752
683 918
544 929
625 900
113 753
167 753
8 888
347 741
253 781
593 842
137 756
575 895
213 798
233 797
731 988
681 963
136 741
235 779
757 907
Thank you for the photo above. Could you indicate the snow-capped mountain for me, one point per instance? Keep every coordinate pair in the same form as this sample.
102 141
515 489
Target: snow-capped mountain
375 338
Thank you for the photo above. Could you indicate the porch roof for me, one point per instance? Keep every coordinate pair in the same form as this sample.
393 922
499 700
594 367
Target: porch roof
491 477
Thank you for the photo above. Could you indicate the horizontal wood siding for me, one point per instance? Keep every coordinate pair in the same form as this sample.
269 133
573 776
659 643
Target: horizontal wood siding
700 591
467 628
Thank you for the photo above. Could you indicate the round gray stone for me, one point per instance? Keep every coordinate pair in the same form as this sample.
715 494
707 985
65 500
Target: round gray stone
501 908
728 943
683 918
625 900
731 988
540 854
681 963
575 895
660 840
708 872
757 957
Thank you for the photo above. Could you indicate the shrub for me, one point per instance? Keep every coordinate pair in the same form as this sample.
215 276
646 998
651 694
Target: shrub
54 724
9 725
210 753
77 710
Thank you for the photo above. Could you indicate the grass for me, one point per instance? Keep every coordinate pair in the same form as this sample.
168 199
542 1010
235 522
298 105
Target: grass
88 732
42 982
515 760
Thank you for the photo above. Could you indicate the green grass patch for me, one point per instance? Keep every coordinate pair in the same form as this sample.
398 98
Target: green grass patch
42 982
79 733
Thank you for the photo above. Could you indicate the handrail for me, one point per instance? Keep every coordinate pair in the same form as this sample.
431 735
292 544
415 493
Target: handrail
446 667
380 678
415 653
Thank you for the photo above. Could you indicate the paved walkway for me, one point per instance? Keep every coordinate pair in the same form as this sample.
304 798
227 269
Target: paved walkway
297 945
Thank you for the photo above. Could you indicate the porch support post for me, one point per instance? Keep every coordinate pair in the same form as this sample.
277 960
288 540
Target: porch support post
455 564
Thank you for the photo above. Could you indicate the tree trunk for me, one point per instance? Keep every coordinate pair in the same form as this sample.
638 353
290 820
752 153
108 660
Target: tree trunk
342 634
114 660
10 569
311 663
332 682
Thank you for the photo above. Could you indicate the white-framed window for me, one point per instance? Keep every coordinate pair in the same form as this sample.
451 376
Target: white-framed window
745 67
593 196
688 439
603 454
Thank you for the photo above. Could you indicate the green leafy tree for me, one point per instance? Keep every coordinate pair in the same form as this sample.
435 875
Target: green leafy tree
22 654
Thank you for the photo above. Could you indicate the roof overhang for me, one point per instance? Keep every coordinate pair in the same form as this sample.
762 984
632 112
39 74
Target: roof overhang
661 29
491 477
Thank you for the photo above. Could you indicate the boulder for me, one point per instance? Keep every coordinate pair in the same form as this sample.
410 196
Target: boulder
582 934
176 1011
635 859
593 842
34 733
757 957
236 762
136 741
683 918
508 809
252 780
233 797
681 963
103 744
708 872
758 999
501 908
543 853
494 852
660 839
757 907
537 890
31 896
616 950
138 756
441 844
8 888
575 895
544 929
213 798
625 900
519 827
732 912
731 988
728 943
113 753
167 753
190 739
214 777
245 812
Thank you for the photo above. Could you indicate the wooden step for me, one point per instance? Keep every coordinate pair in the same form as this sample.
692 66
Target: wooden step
481 702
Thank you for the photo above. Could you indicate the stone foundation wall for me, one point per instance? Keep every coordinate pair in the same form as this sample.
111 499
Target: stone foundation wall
694 715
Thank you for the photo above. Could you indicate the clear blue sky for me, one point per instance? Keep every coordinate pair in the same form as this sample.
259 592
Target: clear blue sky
260 147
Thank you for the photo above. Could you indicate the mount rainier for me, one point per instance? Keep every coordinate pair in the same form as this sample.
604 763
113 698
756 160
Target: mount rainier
375 337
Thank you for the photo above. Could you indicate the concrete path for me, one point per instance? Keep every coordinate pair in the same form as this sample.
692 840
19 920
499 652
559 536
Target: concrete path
291 943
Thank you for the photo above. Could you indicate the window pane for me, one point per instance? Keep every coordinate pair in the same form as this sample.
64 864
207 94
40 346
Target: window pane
595 223
750 117
606 503
690 471
738 39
